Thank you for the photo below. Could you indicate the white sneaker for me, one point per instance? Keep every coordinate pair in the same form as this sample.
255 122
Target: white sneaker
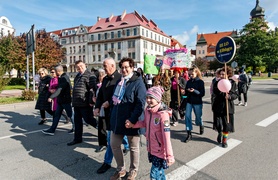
240 103
245 104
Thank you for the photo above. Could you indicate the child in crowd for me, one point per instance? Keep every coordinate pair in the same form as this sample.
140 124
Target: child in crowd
157 124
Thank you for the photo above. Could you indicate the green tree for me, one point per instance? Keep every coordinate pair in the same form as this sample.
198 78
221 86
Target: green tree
256 45
202 64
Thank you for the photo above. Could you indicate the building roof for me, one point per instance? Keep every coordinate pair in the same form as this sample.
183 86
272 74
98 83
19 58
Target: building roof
258 11
213 38
175 43
123 21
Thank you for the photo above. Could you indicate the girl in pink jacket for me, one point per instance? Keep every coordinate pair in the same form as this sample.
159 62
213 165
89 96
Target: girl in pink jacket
157 124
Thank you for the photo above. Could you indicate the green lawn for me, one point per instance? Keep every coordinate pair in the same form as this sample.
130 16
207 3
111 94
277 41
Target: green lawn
10 100
10 87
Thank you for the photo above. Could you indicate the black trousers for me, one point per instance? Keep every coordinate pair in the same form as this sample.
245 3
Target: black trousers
80 113
102 136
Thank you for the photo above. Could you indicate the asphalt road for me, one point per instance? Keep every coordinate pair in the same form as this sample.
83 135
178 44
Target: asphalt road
26 153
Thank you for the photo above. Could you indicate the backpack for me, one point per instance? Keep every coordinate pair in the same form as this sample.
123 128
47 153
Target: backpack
249 79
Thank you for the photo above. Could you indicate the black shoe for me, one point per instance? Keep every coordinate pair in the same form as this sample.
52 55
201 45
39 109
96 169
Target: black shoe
201 130
74 142
48 132
71 131
125 151
219 137
42 121
104 167
224 145
189 137
101 148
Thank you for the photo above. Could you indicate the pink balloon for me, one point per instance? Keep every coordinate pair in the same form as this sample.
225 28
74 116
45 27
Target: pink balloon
235 77
224 85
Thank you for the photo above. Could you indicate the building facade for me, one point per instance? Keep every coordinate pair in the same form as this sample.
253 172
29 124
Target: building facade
5 26
126 35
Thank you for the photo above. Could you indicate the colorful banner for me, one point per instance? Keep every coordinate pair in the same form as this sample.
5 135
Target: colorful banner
178 58
149 65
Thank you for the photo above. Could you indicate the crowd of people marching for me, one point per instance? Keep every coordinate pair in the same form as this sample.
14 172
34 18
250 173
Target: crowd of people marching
123 104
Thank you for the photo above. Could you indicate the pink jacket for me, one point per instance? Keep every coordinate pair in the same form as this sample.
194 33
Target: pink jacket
53 85
157 124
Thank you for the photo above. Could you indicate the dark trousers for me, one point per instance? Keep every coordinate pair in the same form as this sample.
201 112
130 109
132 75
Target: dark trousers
42 112
87 114
58 113
244 96
102 136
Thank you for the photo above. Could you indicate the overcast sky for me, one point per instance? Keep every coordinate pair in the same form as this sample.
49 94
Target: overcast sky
182 19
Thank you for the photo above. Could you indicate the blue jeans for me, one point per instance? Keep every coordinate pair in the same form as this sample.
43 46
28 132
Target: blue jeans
108 157
198 111
58 113
157 173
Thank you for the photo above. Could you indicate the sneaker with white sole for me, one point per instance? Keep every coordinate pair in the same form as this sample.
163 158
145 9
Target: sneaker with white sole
245 104
48 132
240 103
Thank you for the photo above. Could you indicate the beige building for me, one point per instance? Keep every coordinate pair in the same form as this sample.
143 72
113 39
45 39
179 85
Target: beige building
5 26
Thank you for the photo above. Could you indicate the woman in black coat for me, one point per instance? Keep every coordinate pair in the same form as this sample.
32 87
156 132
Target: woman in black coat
42 103
219 108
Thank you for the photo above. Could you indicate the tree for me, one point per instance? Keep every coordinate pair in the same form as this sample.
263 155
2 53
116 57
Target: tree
202 64
213 65
256 45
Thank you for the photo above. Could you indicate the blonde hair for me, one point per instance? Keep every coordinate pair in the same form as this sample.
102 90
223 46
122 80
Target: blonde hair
43 70
197 71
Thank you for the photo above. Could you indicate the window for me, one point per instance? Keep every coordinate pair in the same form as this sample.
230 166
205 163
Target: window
203 51
129 55
105 56
159 48
151 46
112 35
92 38
119 45
84 58
71 59
119 34
105 35
155 47
133 55
105 47
70 50
84 49
74 59
63 41
83 38
98 47
79 39
147 33
79 58
154 36
99 58
94 58
93 48
73 39
112 45
79 50
127 32
199 51
69 39
131 44
145 44
74 49
134 31
99 37
151 35
119 56
143 32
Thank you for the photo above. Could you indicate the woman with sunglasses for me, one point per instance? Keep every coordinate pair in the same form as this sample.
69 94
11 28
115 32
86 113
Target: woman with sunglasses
42 103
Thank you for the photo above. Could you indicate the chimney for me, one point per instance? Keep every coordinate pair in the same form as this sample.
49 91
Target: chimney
215 32
98 18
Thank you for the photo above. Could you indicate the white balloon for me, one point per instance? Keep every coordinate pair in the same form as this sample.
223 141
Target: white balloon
235 77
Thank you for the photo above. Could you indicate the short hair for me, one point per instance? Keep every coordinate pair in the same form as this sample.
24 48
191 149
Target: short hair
78 61
59 68
111 60
229 71
43 70
126 59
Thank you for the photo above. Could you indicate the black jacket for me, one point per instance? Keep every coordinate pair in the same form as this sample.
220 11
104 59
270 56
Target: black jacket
106 92
42 102
83 88
219 104
63 91
196 96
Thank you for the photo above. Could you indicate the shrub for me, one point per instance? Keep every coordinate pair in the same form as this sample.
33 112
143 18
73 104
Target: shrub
29 95
17 81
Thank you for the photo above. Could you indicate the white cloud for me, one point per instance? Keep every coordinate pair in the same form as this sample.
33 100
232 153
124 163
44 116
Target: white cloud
271 25
188 38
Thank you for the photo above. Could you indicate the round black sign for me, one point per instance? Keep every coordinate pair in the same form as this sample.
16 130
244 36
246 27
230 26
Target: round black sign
225 49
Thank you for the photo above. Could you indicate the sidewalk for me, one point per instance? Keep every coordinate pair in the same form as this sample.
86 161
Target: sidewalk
11 93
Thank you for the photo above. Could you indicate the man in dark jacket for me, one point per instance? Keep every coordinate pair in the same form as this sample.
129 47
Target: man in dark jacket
63 99
85 84
104 99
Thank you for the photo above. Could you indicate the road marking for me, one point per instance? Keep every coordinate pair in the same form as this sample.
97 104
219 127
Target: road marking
192 167
268 120
23 134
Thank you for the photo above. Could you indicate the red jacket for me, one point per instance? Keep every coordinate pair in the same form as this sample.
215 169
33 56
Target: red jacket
157 124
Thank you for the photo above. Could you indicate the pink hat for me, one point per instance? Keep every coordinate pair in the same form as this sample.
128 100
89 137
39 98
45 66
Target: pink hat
155 92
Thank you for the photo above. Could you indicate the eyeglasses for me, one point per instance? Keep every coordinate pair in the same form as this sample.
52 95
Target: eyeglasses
52 72
41 73
126 67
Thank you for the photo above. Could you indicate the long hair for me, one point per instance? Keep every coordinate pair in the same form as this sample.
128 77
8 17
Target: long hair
197 71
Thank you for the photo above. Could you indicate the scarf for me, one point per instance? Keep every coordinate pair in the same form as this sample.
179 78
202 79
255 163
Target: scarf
120 90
